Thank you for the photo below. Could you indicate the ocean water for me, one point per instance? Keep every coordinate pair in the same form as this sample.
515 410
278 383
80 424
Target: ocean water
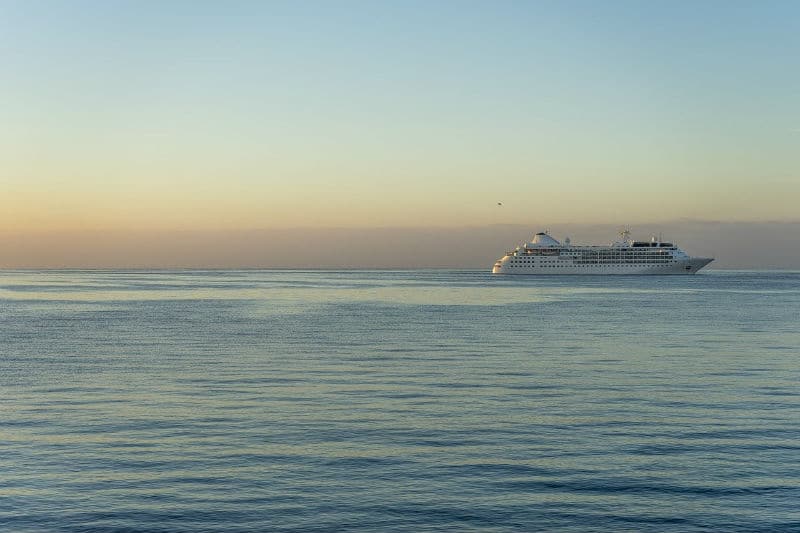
249 401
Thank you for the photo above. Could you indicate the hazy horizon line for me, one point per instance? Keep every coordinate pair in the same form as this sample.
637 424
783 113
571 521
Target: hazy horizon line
734 245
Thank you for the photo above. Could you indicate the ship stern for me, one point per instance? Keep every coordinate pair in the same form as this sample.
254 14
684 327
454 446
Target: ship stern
499 265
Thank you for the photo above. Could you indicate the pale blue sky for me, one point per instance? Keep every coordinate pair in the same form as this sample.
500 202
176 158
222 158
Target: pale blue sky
267 114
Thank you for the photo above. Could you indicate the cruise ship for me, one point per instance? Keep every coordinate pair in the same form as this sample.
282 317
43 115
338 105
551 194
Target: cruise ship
545 255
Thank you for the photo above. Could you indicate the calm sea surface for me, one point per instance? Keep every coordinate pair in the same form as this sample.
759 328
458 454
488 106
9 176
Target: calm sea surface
398 401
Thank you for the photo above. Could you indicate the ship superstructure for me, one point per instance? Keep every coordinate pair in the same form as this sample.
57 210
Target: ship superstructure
545 255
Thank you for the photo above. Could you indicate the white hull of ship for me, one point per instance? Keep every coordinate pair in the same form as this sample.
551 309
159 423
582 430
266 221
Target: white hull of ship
684 266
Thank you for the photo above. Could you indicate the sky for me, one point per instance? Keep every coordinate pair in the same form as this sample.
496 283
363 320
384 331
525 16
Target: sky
150 118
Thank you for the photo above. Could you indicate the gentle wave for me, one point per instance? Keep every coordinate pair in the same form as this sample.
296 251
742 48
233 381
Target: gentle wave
247 401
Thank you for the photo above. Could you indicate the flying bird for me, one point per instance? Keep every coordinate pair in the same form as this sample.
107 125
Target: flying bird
499 203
